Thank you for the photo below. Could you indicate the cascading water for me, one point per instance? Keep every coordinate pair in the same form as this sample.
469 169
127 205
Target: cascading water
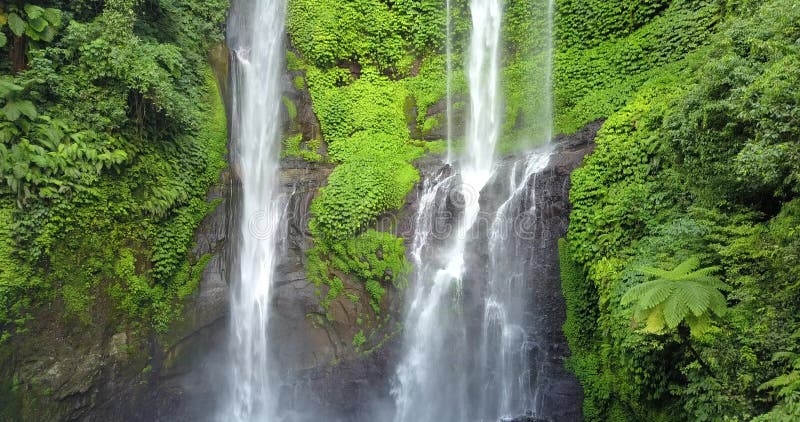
507 385
431 381
483 360
256 31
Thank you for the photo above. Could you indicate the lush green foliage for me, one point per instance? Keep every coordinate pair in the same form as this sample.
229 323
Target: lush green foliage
369 32
697 167
364 116
374 258
584 24
600 64
364 124
293 147
111 132
684 294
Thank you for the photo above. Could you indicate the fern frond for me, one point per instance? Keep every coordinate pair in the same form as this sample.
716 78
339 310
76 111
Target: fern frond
784 356
683 294
656 272
675 310
713 282
719 305
781 381
698 325
697 297
686 266
636 292
702 272
657 292
655 320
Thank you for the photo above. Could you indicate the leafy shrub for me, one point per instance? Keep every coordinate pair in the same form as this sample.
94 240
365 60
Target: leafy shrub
686 166
109 140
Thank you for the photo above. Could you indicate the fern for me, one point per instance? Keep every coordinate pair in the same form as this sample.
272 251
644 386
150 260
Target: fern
787 384
684 294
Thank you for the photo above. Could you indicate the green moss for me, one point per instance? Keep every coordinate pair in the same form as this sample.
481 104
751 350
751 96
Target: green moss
11 398
359 339
292 147
581 299
299 83
374 258
435 147
291 108
18 287
293 63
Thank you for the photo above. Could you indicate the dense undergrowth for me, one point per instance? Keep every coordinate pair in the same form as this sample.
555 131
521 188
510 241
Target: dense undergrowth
111 132
697 163
355 57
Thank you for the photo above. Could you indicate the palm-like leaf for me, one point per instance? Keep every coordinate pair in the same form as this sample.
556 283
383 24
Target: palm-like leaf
683 294
788 383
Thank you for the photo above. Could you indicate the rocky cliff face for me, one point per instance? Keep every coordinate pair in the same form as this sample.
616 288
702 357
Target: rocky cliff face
558 395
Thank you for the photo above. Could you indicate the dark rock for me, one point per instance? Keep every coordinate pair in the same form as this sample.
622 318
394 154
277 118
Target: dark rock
526 418
561 396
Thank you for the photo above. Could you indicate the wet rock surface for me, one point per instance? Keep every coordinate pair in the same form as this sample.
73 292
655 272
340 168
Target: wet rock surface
535 236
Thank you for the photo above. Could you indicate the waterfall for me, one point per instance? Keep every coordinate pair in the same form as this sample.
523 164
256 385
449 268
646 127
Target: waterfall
256 31
510 343
471 351
431 379
507 385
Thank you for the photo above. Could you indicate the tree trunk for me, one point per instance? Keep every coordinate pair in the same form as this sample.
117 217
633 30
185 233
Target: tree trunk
19 54
683 332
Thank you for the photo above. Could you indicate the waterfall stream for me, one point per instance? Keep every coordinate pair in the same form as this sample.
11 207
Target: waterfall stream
432 380
470 350
256 33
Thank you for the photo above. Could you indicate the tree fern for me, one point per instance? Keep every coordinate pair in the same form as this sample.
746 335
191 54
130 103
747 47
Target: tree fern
684 294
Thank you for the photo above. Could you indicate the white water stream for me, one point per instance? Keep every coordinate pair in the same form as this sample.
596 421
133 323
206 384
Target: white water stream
444 374
430 382
256 33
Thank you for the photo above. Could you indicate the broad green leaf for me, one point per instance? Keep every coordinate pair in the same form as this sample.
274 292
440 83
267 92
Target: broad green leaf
27 108
38 24
48 34
3 19
3 39
33 11
53 16
32 34
16 24
11 111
